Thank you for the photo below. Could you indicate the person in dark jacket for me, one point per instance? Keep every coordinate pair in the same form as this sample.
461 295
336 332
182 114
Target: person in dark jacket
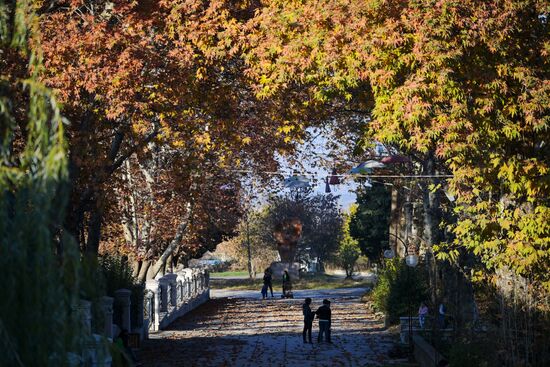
268 277
308 319
324 315
267 280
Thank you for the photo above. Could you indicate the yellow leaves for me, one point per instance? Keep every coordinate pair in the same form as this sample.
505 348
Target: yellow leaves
200 73
286 129
203 139
246 140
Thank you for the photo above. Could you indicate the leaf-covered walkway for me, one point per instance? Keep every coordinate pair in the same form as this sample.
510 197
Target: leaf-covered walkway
250 332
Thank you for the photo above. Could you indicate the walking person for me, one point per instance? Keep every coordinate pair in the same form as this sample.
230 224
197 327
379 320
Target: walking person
422 313
267 280
269 274
308 320
324 315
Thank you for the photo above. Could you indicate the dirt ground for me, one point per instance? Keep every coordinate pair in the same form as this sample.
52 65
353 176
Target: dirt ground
239 329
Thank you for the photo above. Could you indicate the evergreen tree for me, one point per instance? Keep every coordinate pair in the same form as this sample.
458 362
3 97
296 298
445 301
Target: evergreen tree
371 222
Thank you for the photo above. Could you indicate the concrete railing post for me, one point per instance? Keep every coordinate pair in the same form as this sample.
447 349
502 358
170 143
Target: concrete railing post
84 310
163 283
107 308
122 300
181 287
172 281
153 286
139 308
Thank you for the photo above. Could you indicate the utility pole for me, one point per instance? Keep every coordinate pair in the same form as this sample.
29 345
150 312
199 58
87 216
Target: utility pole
248 247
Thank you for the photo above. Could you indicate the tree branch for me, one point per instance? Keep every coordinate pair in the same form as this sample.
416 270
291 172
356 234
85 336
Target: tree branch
180 231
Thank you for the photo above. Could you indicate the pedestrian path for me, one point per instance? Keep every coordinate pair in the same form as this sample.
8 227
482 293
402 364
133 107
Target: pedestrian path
239 329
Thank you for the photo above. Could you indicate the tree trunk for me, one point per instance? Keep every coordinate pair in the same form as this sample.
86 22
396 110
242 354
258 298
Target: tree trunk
161 262
136 264
432 218
251 274
145 265
94 230
321 265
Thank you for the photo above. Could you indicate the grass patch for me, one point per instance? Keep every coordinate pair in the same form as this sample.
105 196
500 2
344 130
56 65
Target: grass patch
321 281
230 274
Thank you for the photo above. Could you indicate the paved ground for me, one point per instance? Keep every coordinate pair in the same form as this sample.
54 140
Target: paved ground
236 328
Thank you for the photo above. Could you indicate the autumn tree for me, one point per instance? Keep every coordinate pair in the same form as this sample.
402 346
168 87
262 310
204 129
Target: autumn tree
252 230
153 95
438 74
321 222
461 85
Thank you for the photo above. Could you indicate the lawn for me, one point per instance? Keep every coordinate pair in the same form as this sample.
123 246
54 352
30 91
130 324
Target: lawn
321 281
228 274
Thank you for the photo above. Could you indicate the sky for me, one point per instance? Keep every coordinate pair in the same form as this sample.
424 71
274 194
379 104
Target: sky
313 159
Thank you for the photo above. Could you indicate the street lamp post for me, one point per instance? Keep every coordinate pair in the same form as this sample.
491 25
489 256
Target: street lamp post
412 261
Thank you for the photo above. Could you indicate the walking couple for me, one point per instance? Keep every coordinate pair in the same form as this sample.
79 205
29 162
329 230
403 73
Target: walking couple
323 314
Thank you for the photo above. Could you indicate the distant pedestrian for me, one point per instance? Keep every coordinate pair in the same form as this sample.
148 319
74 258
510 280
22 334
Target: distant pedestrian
267 280
308 319
268 277
324 315
422 313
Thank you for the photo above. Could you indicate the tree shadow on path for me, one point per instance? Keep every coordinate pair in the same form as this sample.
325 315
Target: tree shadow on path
251 332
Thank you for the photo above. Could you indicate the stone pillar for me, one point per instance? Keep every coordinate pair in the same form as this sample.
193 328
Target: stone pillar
163 284
181 286
84 310
139 316
122 300
107 308
172 280
154 317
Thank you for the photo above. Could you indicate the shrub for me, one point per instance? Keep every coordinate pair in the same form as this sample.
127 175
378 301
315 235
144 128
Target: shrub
117 274
399 289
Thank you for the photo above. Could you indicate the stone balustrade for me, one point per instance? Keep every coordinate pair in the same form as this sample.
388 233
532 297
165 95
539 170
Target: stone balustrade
173 295
164 300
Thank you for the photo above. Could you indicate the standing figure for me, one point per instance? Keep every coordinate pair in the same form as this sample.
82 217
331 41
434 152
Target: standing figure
308 319
269 274
287 285
422 313
267 280
324 315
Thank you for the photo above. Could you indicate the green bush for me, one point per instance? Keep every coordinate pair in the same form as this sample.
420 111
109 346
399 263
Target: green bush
399 288
117 274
